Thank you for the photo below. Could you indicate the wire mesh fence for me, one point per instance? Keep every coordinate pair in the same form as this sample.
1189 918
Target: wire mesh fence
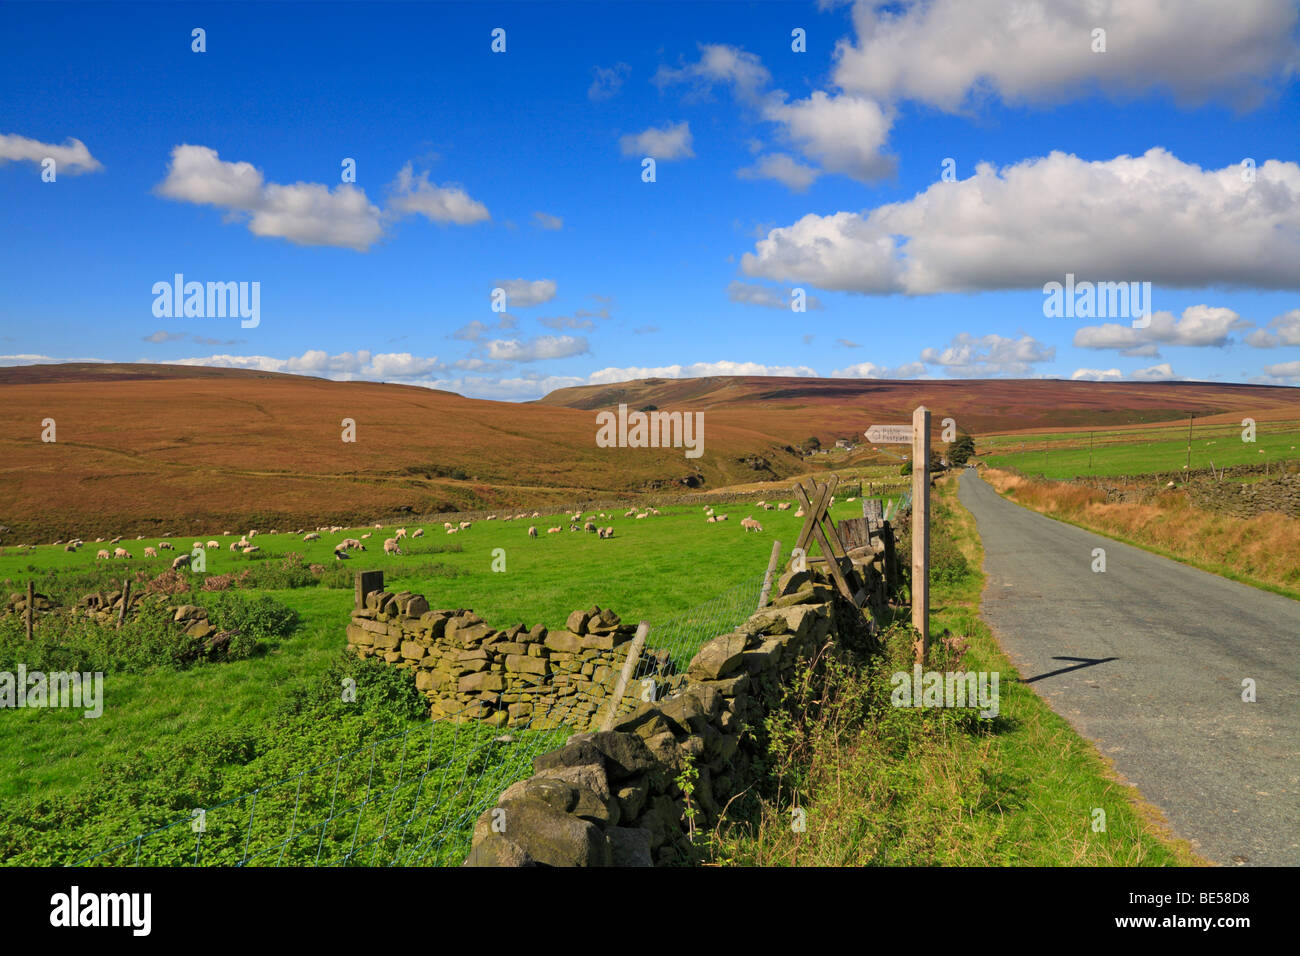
410 798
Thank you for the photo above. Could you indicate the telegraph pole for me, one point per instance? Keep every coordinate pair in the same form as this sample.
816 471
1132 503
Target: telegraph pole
1189 442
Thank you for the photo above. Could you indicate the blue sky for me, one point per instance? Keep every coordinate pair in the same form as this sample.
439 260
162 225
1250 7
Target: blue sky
775 170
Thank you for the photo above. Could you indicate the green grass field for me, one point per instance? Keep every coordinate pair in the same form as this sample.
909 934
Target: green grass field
1152 451
654 569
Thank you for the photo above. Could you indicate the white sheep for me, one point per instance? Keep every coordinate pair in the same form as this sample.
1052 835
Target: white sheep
749 524
453 530
150 553
390 546
783 506
366 535
553 530
532 531
197 546
641 515
103 555
214 544
179 562
417 533
400 534
121 553
165 546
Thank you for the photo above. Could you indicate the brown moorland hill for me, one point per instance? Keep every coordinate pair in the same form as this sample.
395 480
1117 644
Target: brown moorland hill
148 448
795 409
144 449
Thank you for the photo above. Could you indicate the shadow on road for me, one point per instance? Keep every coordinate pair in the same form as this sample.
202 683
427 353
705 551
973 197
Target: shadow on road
1084 662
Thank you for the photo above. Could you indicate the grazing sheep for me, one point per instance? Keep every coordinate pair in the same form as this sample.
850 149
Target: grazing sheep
70 547
749 524
453 530
165 546
390 546
762 504
799 513
366 535
311 537
641 515
150 553
197 546
465 524
400 534
605 532
553 530
179 562
252 548
783 506
721 517
234 546
532 531
629 513
417 533
710 519
348 544
589 526
378 526
116 540
654 511
341 554
252 533
214 544
767 507
708 511
121 553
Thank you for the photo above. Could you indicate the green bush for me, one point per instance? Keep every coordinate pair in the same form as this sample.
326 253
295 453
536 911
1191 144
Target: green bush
261 617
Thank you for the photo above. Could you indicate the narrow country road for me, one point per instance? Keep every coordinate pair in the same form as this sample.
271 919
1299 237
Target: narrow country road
1147 661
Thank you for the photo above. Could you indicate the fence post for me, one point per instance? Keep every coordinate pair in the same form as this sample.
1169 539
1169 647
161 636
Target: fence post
126 599
921 530
767 578
367 581
629 668
30 596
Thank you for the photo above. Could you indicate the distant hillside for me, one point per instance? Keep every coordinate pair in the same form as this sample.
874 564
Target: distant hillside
148 448
798 408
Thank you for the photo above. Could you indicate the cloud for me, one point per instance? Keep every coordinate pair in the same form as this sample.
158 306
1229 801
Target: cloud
611 375
607 81
844 133
663 143
784 169
1200 326
1283 373
567 322
847 344
1286 331
749 293
72 157
450 204
989 356
475 330
544 220
343 366
1097 375
308 214
872 370
537 349
1156 373
1147 218
525 293
164 336
719 64
948 52
645 330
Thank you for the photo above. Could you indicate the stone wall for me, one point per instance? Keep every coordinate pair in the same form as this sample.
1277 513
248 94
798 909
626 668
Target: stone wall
617 797
517 677
1278 493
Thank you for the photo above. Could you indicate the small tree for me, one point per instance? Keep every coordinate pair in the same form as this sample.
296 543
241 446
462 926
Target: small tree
961 451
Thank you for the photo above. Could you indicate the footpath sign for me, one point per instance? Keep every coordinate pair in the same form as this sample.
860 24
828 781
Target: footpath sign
889 434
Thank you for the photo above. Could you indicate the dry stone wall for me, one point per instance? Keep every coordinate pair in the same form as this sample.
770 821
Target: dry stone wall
616 798
517 677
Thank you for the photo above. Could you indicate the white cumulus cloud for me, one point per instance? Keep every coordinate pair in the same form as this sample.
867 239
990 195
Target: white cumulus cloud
71 157
1146 218
672 141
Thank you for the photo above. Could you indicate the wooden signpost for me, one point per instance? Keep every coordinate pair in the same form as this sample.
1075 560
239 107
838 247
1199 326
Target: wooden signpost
917 435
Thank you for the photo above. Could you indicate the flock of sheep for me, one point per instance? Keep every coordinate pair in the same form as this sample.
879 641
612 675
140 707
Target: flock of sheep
393 545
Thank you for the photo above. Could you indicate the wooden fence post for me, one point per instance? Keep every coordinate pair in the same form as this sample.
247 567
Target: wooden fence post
767 578
367 581
921 530
629 668
30 594
126 600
